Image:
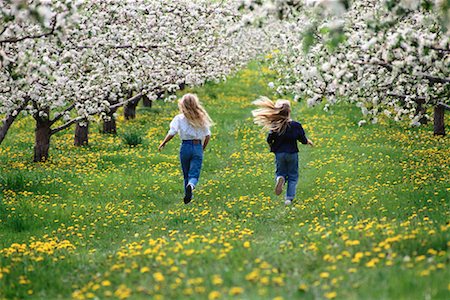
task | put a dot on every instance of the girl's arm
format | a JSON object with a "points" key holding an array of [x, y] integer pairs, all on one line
{"points": [[174, 127], [166, 139], [302, 137], [205, 143]]}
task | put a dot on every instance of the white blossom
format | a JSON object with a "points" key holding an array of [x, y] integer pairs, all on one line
{"points": [[100, 50]]}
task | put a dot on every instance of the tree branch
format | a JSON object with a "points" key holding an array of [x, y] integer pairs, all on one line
{"points": [[79, 119], [385, 65], [434, 79], [67, 125], [440, 49], [134, 98], [60, 115], [445, 106], [35, 106], [142, 47], [390, 67], [7, 122], [27, 37], [418, 100], [3, 30], [115, 106]]}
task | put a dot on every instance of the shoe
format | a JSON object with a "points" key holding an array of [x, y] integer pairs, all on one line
{"points": [[188, 194], [287, 202], [279, 185]]}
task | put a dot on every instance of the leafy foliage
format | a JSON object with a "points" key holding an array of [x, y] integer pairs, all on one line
{"points": [[132, 138]]}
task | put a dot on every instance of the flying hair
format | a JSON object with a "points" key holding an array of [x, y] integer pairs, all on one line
{"points": [[272, 116], [194, 112]]}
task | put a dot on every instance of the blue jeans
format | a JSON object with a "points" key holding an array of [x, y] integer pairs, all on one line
{"points": [[287, 166], [191, 158]]}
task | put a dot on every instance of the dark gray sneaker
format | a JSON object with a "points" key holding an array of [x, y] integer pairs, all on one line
{"points": [[188, 194]]}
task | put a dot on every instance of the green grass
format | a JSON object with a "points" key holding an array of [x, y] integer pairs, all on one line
{"points": [[370, 221]]}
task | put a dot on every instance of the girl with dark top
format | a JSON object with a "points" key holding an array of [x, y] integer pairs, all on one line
{"points": [[283, 136]]}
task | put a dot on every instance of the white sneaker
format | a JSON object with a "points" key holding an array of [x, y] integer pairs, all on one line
{"points": [[288, 202], [279, 185]]}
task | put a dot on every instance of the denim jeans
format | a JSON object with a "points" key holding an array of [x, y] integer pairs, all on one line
{"points": [[191, 158], [287, 166]]}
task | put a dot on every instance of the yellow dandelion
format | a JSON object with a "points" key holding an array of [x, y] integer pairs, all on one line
{"points": [[217, 280], [158, 276], [236, 291], [122, 292], [106, 283], [278, 280], [264, 280], [214, 295], [252, 276]]}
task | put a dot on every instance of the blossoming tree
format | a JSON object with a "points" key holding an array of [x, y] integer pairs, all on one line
{"points": [[25, 24], [111, 53], [388, 57]]}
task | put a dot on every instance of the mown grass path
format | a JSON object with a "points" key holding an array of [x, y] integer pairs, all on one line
{"points": [[371, 220]]}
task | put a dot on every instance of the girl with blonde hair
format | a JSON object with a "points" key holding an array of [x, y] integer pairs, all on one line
{"points": [[283, 136], [192, 124]]}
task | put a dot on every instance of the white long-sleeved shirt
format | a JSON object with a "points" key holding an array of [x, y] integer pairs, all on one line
{"points": [[186, 131]]}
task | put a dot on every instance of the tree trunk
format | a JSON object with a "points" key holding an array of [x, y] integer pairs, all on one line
{"points": [[182, 86], [81, 135], [43, 133], [420, 109], [109, 126], [7, 122], [439, 128], [146, 101], [129, 111], [160, 95], [9, 119]]}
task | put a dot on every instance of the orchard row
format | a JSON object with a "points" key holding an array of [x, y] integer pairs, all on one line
{"points": [[72, 62], [69, 62]]}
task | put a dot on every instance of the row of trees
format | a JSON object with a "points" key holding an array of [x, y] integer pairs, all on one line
{"points": [[387, 57], [69, 62]]}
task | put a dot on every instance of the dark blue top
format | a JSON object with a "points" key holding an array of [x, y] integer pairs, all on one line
{"points": [[287, 142]]}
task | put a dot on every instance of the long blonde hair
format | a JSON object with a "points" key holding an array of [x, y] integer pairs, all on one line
{"points": [[272, 116], [194, 112]]}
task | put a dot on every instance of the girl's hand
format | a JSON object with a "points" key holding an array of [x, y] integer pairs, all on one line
{"points": [[164, 142], [310, 143]]}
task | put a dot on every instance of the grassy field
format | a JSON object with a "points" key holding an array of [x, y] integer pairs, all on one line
{"points": [[370, 221]]}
